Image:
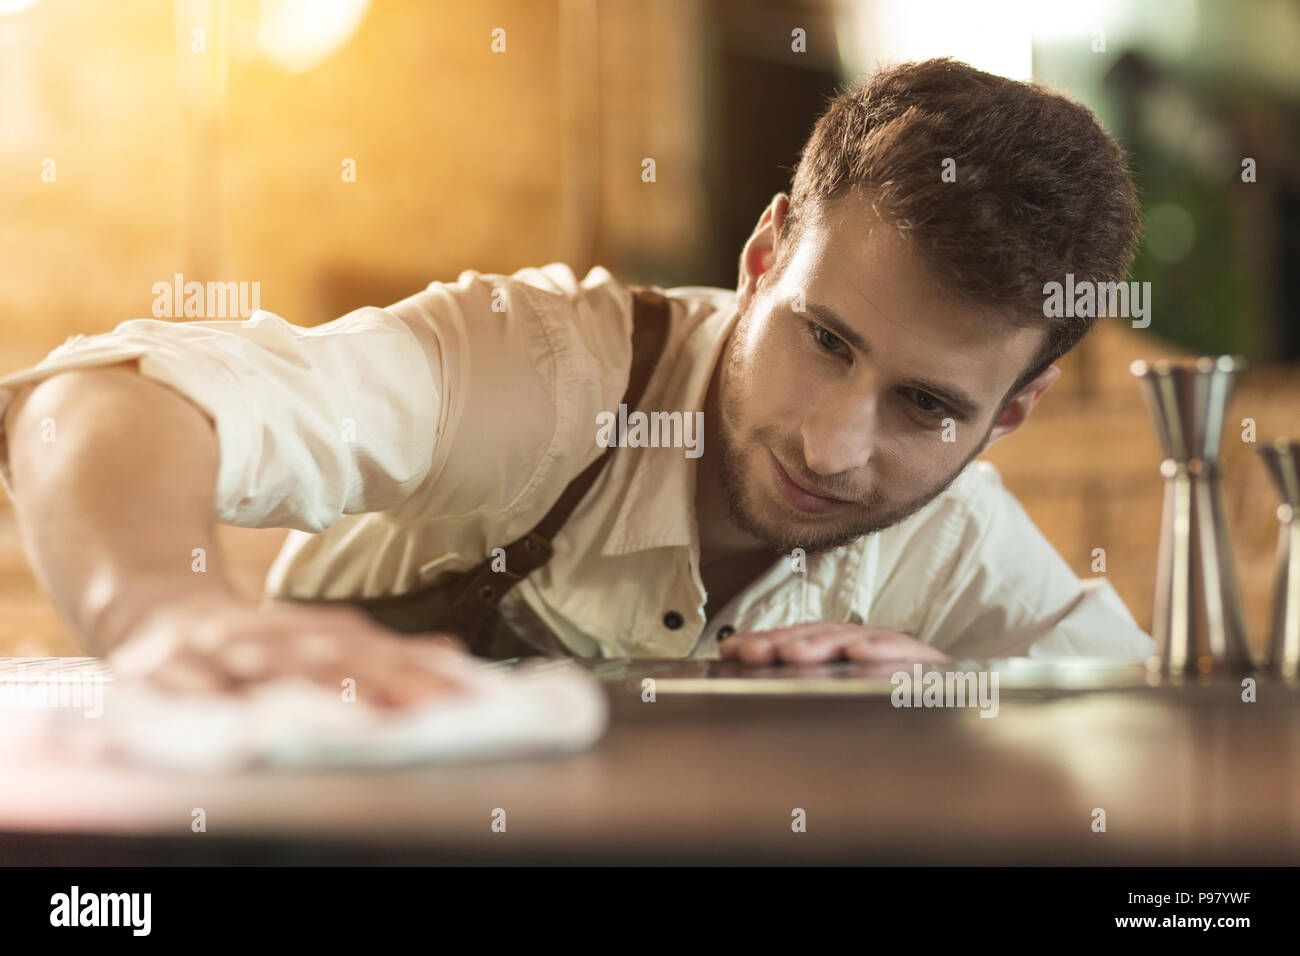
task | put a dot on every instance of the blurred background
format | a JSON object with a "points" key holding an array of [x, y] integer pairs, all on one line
{"points": [[342, 153]]}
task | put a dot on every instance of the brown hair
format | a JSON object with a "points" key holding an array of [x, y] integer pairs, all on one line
{"points": [[1040, 189]]}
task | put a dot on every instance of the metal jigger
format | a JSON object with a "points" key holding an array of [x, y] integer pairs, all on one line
{"points": [[1196, 620], [1282, 458]]}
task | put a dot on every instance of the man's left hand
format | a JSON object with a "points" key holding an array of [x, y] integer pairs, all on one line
{"points": [[819, 641]]}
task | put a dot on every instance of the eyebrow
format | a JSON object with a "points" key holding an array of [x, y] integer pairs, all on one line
{"points": [[953, 397]]}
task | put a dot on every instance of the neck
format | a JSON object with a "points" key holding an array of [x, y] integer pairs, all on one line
{"points": [[720, 538]]}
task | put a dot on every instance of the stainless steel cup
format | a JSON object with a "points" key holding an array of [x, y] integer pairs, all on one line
{"points": [[1282, 459], [1196, 618]]}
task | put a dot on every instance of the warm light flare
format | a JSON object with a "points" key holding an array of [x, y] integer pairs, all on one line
{"points": [[16, 6], [297, 35]]}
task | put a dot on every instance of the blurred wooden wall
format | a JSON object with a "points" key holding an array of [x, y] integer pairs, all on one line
{"points": [[465, 157]]}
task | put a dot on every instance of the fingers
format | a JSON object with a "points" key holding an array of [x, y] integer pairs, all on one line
{"points": [[795, 644], [163, 659], [388, 670], [818, 642], [751, 648], [188, 673], [233, 652], [887, 649]]}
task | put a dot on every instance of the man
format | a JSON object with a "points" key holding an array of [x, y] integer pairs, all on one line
{"points": [[887, 326]]}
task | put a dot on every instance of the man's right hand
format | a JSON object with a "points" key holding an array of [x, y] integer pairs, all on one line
{"points": [[226, 646]]}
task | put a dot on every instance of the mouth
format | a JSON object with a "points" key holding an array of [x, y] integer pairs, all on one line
{"points": [[799, 497]]}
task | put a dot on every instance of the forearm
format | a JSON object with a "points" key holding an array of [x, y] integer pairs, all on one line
{"points": [[113, 478]]}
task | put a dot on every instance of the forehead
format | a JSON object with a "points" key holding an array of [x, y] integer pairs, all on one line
{"points": [[849, 261]]}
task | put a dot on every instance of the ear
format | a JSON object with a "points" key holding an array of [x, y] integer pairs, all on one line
{"points": [[1018, 409], [760, 252]]}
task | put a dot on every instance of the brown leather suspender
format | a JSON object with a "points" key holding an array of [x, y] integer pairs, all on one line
{"points": [[481, 589]]}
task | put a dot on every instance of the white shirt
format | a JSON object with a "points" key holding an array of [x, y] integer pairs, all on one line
{"points": [[407, 442]]}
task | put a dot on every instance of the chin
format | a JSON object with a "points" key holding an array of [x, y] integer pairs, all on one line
{"points": [[781, 530]]}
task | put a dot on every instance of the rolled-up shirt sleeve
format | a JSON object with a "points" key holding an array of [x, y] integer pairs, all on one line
{"points": [[312, 423]]}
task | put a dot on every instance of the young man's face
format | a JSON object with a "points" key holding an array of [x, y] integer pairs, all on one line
{"points": [[873, 398]]}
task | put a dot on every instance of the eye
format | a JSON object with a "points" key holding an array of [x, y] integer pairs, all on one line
{"points": [[928, 405], [827, 341]]}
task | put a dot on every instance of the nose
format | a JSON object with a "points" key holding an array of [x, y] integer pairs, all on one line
{"points": [[839, 437]]}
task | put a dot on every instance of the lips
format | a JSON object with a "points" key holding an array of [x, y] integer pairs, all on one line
{"points": [[799, 497]]}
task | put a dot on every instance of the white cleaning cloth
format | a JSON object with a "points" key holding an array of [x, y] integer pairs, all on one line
{"points": [[535, 707]]}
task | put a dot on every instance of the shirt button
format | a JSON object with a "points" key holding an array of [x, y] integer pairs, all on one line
{"points": [[725, 632], [673, 620]]}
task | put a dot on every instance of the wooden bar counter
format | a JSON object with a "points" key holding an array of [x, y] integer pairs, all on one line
{"points": [[717, 767]]}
